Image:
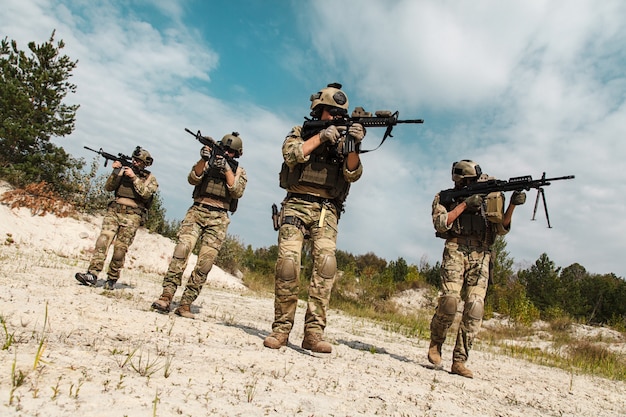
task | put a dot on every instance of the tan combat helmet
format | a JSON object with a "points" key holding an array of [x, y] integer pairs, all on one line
{"points": [[330, 96], [143, 155], [465, 168], [234, 142]]}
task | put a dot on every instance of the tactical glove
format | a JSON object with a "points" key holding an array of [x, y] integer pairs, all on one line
{"points": [[474, 202], [518, 198], [221, 164], [205, 153], [330, 134], [357, 132]]}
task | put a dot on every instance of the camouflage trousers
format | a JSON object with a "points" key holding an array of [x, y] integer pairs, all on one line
{"points": [[464, 276], [118, 227], [210, 228], [321, 225]]}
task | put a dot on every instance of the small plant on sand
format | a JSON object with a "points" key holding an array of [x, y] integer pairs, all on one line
{"points": [[56, 389], [146, 366], [42, 341], [155, 401], [8, 337], [17, 380], [251, 389]]}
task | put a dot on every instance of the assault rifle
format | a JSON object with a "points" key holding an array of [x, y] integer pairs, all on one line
{"points": [[216, 150], [525, 182], [382, 118], [125, 160]]}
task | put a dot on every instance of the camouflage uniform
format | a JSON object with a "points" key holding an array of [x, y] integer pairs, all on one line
{"points": [[312, 212], [464, 275], [209, 223], [122, 220]]}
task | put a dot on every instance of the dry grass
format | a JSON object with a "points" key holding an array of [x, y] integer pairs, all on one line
{"points": [[39, 199]]}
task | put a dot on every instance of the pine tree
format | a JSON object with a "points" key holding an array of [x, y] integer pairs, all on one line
{"points": [[32, 111]]}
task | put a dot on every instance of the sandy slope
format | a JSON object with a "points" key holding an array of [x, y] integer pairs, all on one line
{"points": [[106, 353]]}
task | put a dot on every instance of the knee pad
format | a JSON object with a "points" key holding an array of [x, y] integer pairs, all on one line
{"points": [[205, 261], [119, 252], [103, 241], [327, 266], [286, 269], [204, 268], [448, 305], [181, 251], [475, 309]]}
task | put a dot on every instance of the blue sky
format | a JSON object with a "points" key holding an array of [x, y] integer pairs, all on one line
{"points": [[522, 87]]}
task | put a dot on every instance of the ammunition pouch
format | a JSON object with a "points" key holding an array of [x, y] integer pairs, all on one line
{"points": [[494, 203]]}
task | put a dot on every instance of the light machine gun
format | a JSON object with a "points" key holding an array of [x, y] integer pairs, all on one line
{"points": [[382, 118], [216, 149], [513, 184]]}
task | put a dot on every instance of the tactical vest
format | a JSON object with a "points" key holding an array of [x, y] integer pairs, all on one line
{"points": [[323, 170], [125, 189], [470, 226], [213, 185]]}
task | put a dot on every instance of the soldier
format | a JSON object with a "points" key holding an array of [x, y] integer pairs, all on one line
{"points": [[217, 190], [469, 228], [134, 189], [317, 179]]}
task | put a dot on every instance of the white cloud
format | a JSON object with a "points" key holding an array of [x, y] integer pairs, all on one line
{"points": [[521, 87]]}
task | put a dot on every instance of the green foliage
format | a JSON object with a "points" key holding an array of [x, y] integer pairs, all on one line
{"points": [[542, 283], [231, 255], [155, 217], [90, 196], [595, 299], [170, 228], [261, 261], [32, 90], [399, 270], [505, 294], [431, 274]]}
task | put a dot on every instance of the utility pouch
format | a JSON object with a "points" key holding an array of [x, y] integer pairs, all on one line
{"points": [[494, 210], [232, 207]]}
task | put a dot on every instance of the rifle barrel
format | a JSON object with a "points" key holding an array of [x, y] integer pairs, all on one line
{"points": [[565, 177]]}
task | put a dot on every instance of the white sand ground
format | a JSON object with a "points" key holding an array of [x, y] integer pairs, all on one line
{"points": [[80, 351]]}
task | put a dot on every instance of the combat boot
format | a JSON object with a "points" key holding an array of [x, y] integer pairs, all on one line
{"points": [[276, 340], [87, 278], [459, 368], [184, 310], [110, 284], [162, 305], [434, 354], [316, 343]]}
